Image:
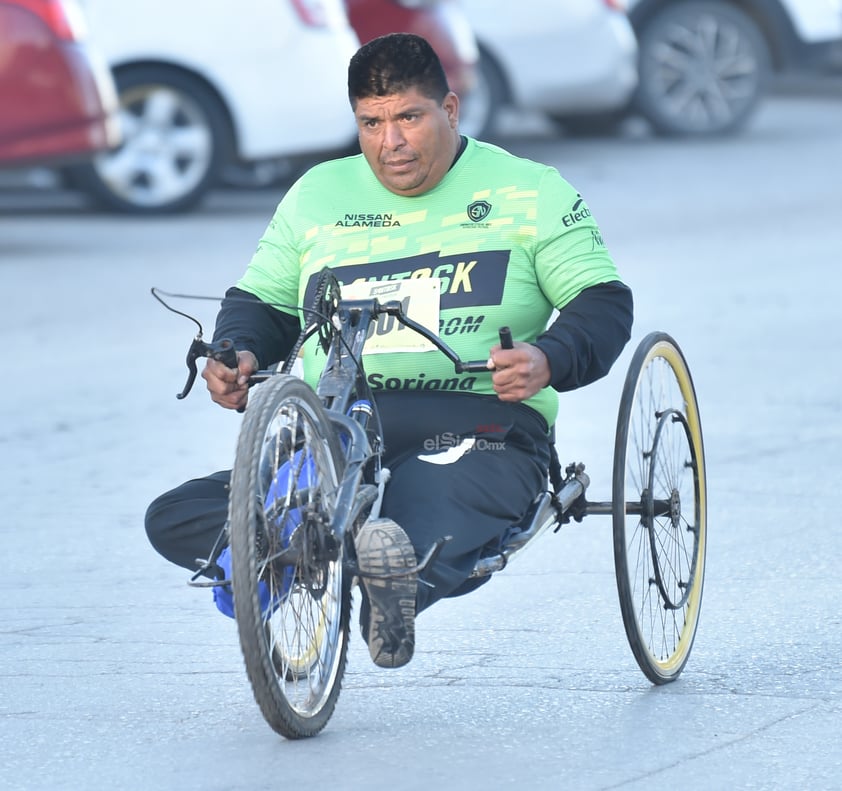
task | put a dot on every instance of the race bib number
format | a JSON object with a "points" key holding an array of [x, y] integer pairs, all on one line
{"points": [[420, 300]]}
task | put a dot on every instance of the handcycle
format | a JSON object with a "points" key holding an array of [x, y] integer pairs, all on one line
{"points": [[307, 473]]}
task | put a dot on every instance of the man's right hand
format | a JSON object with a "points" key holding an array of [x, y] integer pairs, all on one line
{"points": [[229, 387]]}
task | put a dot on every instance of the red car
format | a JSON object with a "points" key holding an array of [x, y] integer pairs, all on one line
{"points": [[57, 98], [442, 22]]}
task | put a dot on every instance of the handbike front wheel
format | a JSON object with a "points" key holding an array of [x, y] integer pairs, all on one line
{"points": [[291, 598], [659, 508]]}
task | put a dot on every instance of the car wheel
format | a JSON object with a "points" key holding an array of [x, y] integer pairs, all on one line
{"points": [[703, 66], [176, 140], [478, 111]]}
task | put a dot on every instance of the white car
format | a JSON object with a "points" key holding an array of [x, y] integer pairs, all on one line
{"points": [[203, 85], [571, 60], [705, 64]]}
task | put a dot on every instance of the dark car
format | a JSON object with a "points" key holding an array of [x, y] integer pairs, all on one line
{"points": [[57, 98], [442, 22]]}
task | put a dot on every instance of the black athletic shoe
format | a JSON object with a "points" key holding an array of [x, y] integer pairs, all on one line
{"points": [[384, 548]]}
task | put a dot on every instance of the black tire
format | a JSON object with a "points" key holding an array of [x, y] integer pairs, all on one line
{"points": [[479, 111], [659, 508], [177, 137], [703, 67], [283, 495]]}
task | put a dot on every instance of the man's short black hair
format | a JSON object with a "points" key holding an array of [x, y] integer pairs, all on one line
{"points": [[393, 64]]}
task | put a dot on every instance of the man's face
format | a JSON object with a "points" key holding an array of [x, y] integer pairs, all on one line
{"points": [[409, 141]]}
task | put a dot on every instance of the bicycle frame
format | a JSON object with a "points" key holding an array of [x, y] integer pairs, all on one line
{"points": [[343, 375]]}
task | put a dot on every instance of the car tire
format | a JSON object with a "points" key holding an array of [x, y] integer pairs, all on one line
{"points": [[703, 67], [177, 137], [479, 110]]}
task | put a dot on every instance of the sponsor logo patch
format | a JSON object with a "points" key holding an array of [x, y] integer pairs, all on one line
{"points": [[467, 280], [478, 210], [368, 221]]}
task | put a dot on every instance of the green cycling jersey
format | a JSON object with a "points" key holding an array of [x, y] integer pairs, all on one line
{"points": [[501, 239]]}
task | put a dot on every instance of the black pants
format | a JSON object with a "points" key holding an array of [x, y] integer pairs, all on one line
{"points": [[464, 466]]}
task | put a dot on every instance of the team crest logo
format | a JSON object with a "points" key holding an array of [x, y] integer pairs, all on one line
{"points": [[479, 210]]}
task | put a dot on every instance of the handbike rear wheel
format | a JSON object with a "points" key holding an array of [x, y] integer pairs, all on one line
{"points": [[659, 508], [291, 597]]}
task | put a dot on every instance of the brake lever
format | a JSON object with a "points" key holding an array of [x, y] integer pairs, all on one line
{"points": [[223, 351]]}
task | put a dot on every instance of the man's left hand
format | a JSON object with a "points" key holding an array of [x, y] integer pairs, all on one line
{"points": [[520, 372]]}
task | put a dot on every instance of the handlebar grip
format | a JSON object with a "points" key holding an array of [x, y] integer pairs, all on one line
{"points": [[506, 338], [481, 366], [224, 352]]}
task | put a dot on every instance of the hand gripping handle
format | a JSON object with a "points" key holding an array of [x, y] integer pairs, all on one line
{"points": [[481, 366]]}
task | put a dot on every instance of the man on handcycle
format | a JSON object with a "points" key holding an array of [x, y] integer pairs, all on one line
{"points": [[479, 238]]}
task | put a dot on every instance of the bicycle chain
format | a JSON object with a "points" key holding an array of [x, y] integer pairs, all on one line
{"points": [[324, 306]]}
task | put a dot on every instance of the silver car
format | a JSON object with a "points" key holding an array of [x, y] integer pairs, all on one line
{"points": [[574, 61]]}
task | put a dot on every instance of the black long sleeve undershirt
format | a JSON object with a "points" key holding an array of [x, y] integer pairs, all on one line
{"points": [[588, 335], [268, 333], [581, 345]]}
